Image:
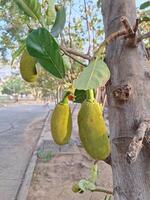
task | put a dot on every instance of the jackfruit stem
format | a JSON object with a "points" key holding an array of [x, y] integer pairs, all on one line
{"points": [[65, 98], [90, 95]]}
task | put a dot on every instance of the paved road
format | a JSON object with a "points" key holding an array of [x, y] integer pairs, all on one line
{"points": [[20, 127]]}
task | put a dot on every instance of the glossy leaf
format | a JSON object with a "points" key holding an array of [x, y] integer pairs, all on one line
{"points": [[42, 45], [31, 8], [59, 22], [50, 12], [145, 5], [94, 76], [80, 96]]}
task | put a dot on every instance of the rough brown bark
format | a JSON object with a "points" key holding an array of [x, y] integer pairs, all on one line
{"points": [[129, 68]]}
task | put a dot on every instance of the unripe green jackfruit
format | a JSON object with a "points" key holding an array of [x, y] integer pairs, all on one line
{"points": [[27, 67], [61, 123], [92, 130]]}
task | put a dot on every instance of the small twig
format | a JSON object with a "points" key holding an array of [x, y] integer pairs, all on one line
{"points": [[110, 38], [114, 36], [69, 24], [72, 57], [102, 190], [76, 53], [145, 36], [88, 26], [127, 25], [105, 100], [136, 143], [136, 26]]}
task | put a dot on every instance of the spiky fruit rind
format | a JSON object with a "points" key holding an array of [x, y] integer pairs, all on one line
{"points": [[61, 124], [28, 68], [92, 130]]}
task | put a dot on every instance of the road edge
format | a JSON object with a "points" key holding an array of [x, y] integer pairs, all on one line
{"points": [[23, 190]]}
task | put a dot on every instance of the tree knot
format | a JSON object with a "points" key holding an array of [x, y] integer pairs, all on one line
{"points": [[122, 93]]}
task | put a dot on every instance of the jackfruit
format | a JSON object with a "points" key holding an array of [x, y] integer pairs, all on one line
{"points": [[92, 130], [61, 123], [27, 67]]}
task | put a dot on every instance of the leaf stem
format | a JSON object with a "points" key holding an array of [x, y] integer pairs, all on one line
{"points": [[72, 57], [102, 190], [76, 53], [90, 95], [65, 98]]}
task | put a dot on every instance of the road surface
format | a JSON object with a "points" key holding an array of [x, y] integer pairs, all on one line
{"points": [[20, 128]]}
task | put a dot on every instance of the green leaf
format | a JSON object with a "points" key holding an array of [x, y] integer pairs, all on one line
{"points": [[50, 12], [80, 96], [93, 76], [59, 22], [18, 52], [86, 185], [31, 8], [145, 5], [42, 45]]}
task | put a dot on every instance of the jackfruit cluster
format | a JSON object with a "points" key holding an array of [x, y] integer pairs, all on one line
{"points": [[92, 128]]}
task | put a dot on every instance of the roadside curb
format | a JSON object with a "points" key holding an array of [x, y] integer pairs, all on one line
{"points": [[24, 188]]}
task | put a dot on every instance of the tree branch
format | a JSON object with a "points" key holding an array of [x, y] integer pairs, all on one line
{"points": [[127, 25], [69, 24], [109, 39], [136, 143], [135, 29], [88, 26], [142, 37], [76, 53], [65, 52]]}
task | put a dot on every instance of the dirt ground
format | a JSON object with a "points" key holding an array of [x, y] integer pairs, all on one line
{"points": [[54, 176]]}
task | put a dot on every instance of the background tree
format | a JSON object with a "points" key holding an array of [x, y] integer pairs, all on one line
{"points": [[14, 85]]}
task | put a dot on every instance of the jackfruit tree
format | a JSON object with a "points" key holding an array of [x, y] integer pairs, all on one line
{"points": [[121, 64]]}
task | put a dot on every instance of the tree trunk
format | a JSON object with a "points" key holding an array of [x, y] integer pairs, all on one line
{"points": [[130, 70]]}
